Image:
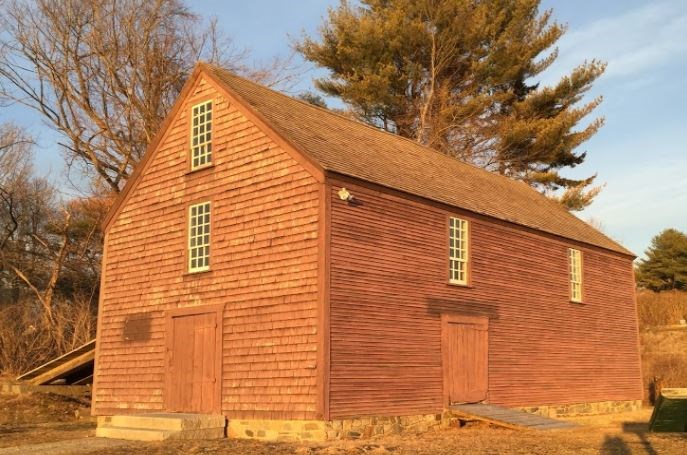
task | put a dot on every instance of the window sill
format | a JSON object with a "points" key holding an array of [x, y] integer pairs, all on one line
{"points": [[460, 285], [197, 273], [200, 168], [577, 302]]}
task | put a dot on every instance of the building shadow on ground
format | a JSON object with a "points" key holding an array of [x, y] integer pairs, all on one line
{"points": [[616, 444]]}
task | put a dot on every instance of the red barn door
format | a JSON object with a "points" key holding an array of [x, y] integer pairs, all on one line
{"points": [[465, 352], [193, 362]]}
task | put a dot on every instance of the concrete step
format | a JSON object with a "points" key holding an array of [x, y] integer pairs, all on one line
{"points": [[131, 434], [165, 421], [141, 434], [161, 426]]}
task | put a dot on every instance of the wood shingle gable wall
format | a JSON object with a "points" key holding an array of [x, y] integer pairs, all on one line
{"points": [[263, 267]]}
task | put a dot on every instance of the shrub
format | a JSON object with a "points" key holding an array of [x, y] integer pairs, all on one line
{"points": [[27, 340], [661, 308], [663, 357]]}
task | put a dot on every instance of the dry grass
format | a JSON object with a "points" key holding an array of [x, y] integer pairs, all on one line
{"points": [[661, 308], [40, 408], [664, 356], [663, 351], [42, 417]]}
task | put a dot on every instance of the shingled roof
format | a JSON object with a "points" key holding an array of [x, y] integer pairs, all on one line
{"points": [[345, 146]]}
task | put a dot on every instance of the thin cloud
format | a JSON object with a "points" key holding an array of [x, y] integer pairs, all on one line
{"points": [[633, 43], [642, 200]]}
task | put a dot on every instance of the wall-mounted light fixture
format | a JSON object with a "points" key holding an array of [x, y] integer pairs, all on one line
{"points": [[345, 195]]}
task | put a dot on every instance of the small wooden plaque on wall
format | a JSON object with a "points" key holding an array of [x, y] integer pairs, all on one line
{"points": [[137, 327]]}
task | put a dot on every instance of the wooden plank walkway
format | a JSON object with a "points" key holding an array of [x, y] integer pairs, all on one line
{"points": [[670, 412], [509, 418], [78, 362]]}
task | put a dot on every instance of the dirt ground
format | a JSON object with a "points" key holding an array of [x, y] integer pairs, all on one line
{"points": [[43, 417], [39, 418]]}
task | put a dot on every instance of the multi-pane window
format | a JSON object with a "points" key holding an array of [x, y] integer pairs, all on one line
{"points": [[201, 135], [458, 250], [575, 266], [199, 237]]}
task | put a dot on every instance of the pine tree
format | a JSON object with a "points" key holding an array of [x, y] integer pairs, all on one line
{"points": [[665, 266], [457, 75]]}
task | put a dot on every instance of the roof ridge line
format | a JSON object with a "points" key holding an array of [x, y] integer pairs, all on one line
{"points": [[497, 178], [358, 122]]}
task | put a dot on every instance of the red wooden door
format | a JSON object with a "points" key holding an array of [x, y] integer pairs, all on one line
{"points": [[193, 371], [466, 358]]}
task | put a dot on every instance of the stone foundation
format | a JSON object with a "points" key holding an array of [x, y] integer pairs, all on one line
{"points": [[318, 430], [272, 430], [583, 409], [365, 427]]}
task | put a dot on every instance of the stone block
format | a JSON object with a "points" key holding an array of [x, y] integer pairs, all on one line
{"points": [[591, 408]]}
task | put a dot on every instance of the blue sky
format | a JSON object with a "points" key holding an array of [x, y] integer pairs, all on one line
{"points": [[640, 154]]}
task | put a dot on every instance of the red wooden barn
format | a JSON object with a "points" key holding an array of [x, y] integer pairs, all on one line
{"points": [[278, 263]]}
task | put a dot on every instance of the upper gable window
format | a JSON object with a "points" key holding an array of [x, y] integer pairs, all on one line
{"points": [[575, 270], [201, 135], [199, 237], [458, 250]]}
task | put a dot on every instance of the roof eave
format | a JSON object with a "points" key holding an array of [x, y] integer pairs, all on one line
{"points": [[619, 250]]}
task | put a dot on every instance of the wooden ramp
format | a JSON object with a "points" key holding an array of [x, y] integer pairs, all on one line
{"points": [[509, 418], [670, 412], [74, 367]]}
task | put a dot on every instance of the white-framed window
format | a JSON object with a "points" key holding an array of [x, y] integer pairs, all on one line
{"points": [[458, 250], [575, 270], [201, 135], [199, 237]]}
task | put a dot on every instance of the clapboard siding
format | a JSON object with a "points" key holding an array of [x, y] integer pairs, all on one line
{"points": [[389, 287], [264, 263]]}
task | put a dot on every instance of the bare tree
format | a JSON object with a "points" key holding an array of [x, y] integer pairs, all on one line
{"points": [[46, 244], [104, 73], [16, 168]]}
